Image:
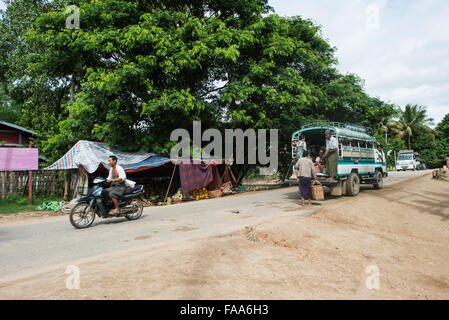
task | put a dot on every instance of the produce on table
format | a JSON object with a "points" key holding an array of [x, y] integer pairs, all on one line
{"points": [[200, 193]]}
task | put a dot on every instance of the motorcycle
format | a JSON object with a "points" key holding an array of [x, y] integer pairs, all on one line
{"points": [[83, 213]]}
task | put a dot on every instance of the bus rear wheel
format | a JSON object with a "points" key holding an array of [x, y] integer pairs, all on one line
{"points": [[379, 180], [353, 185]]}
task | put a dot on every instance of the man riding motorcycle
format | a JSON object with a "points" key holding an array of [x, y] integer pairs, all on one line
{"points": [[116, 177]]}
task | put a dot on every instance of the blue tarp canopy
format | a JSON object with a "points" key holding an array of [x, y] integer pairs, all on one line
{"points": [[90, 155], [152, 162]]}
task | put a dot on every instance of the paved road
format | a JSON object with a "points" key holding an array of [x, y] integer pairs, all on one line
{"points": [[30, 247]]}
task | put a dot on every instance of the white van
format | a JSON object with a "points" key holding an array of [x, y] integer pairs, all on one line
{"points": [[408, 160]]}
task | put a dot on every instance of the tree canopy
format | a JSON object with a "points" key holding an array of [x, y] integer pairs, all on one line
{"points": [[136, 70]]}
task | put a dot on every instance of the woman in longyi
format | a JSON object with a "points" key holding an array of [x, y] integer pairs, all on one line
{"points": [[306, 171]]}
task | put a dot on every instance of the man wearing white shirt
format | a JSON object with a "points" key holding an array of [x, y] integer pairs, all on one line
{"points": [[116, 177], [331, 154], [379, 154]]}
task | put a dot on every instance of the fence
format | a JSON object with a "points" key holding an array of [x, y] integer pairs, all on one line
{"points": [[43, 183]]}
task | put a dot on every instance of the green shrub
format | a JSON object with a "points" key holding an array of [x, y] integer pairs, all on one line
{"points": [[22, 201]]}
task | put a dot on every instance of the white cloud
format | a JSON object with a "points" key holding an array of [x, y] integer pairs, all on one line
{"points": [[402, 53]]}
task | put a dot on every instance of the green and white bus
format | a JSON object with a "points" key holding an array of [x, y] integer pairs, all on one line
{"points": [[357, 161]]}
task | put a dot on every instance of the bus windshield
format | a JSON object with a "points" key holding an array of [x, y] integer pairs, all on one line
{"points": [[405, 157]]}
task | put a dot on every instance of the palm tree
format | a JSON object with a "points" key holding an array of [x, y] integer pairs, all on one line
{"points": [[411, 121], [385, 123]]}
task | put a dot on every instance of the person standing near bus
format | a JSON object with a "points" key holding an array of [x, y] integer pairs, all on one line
{"points": [[301, 147], [319, 162], [306, 172], [331, 155]]}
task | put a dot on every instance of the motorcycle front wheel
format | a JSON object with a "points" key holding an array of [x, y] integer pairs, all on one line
{"points": [[82, 215], [137, 209]]}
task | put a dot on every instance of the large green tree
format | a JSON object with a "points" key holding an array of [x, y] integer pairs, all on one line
{"points": [[443, 129], [136, 70], [29, 99]]}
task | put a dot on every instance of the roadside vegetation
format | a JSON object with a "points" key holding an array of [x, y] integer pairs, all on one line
{"points": [[19, 203]]}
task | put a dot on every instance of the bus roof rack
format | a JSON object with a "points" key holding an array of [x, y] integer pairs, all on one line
{"points": [[344, 125]]}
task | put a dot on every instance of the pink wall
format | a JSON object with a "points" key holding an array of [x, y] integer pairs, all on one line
{"points": [[16, 159]]}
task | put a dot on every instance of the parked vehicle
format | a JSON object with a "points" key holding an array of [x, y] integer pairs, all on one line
{"points": [[408, 160], [357, 163], [83, 213]]}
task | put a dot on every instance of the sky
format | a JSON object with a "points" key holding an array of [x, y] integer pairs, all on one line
{"points": [[399, 47]]}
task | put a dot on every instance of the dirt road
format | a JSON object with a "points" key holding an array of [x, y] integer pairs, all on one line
{"points": [[395, 239]]}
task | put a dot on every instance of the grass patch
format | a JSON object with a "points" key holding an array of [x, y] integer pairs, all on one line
{"points": [[18, 203], [255, 177]]}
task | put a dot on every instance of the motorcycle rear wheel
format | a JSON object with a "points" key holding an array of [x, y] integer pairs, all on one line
{"points": [[82, 215], [138, 210]]}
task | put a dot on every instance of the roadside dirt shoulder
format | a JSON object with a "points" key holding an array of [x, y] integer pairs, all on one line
{"points": [[399, 234]]}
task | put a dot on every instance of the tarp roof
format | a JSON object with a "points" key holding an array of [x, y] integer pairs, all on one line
{"points": [[91, 154]]}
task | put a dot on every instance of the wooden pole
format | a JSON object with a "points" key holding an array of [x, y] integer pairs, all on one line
{"points": [[66, 185], [3, 184], [30, 185], [77, 183], [54, 178], [169, 185], [11, 183]]}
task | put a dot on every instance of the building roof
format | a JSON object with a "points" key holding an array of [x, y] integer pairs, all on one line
{"points": [[16, 127]]}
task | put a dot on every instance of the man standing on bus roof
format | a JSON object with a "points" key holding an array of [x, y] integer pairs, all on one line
{"points": [[331, 154]]}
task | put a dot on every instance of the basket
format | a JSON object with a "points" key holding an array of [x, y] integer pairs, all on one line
{"points": [[317, 192], [215, 193]]}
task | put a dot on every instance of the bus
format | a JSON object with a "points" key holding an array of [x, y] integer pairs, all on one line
{"points": [[357, 163]]}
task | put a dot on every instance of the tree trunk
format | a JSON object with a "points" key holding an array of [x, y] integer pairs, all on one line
{"points": [[66, 186], [3, 184]]}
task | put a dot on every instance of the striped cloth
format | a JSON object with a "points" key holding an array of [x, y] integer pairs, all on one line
{"points": [[91, 154], [194, 176]]}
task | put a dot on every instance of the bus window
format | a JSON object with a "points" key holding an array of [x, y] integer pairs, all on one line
{"points": [[370, 147], [345, 145], [362, 147], [355, 149]]}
